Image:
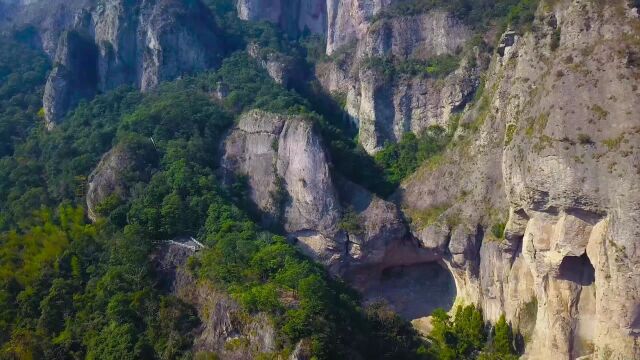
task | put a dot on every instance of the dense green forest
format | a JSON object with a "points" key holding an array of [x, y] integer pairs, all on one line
{"points": [[70, 289]]}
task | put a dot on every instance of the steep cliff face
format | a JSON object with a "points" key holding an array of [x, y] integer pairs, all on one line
{"points": [[73, 77], [552, 150], [386, 106], [293, 16], [533, 209], [283, 69], [289, 179], [98, 46]]}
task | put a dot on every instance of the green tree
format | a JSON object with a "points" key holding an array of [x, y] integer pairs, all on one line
{"points": [[503, 337], [501, 346], [115, 342]]}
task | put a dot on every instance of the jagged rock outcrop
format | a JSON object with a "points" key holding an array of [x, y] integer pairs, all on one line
{"points": [[118, 170], [288, 173], [552, 150], [99, 45], [73, 78]]}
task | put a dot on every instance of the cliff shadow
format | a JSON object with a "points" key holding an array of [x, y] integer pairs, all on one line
{"points": [[413, 291]]}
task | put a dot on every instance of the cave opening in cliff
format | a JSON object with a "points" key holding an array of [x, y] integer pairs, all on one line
{"points": [[577, 269], [413, 291]]}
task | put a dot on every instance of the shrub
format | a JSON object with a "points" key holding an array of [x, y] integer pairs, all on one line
{"points": [[584, 139], [402, 159], [497, 230]]}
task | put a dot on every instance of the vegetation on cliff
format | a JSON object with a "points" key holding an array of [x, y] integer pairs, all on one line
{"points": [[477, 13]]}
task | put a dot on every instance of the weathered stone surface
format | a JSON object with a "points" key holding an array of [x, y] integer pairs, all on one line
{"points": [[222, 319], [281, 68], [99, 45], [73, 77], [288, 173], [384, 108], [294, 17], [380, 225], [553, 152]]}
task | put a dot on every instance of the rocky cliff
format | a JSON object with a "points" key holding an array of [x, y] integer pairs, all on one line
{"points": [[99, 45], [533, 208], [358, 36], [116, 173], [552, 150], [369, 58], [289, 178], [225, 329]]}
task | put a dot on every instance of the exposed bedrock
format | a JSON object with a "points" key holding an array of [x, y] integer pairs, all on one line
{"points": [[294, 16], [116, 173], [552, 150], [385, 108], [288, 173], [222, 318], [99, 45]]}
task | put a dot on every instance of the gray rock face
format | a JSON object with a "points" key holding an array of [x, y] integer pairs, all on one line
{"points": [[380, 225], [109, 43], [73, 77], [281, 68], [289, 179], [384, 108], [551, 150], [294, 16]]}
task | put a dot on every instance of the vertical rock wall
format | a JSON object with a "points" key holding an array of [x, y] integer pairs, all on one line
{"points": [[552, 149], [99, 45]]}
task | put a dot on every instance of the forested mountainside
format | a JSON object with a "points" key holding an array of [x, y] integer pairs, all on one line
{"points": [[319, 179]]}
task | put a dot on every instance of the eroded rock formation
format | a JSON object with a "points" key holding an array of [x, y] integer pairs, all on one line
{"points": [[385, 107], [288, 173], [99, 45], [223, 321], [555, 156], [293, 16], [533, 208]]}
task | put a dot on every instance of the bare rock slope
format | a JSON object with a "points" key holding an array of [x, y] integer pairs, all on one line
{"points": [[552, 150], [289, 178]]}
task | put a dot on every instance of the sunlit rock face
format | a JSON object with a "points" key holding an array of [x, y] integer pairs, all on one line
{"points": [[289, 176], [532, 211], [99, 45], [385, 108], [553, 153]]}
